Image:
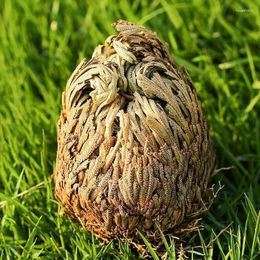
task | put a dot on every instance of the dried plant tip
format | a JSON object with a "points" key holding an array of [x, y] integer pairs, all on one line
{"points": [[133, 146]]}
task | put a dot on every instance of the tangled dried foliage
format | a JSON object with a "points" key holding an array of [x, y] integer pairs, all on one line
{"points": [[133, 146]]}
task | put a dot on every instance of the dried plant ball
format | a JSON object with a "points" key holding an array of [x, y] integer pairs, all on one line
{"points": [[134, 151]]}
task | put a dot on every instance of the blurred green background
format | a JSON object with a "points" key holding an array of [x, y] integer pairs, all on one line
{"points": [[41, 42]]}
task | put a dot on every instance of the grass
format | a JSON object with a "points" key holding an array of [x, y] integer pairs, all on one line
{"points": [[41, 42]]}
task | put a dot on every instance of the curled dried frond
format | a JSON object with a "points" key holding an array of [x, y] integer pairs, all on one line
{"points": [[133, 146]]}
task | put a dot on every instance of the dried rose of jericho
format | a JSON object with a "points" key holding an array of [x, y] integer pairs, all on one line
{"points": [[134, 151]]}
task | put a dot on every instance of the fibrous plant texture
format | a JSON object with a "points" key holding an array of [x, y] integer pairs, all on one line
{"points": [[134, 152]]}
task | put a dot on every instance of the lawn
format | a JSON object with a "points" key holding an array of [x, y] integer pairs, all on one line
{"points": [[41, 42]]}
